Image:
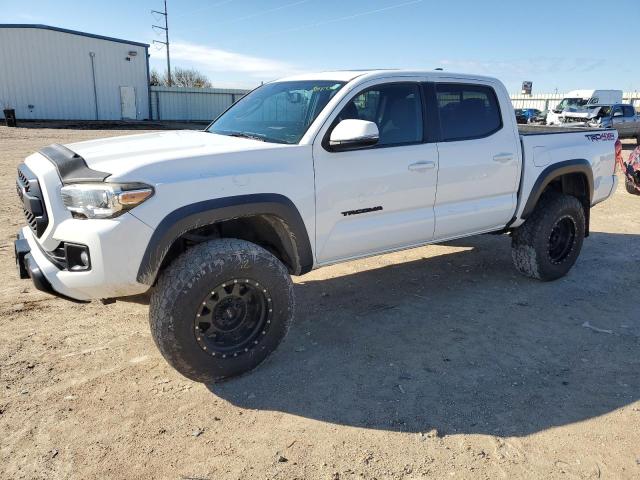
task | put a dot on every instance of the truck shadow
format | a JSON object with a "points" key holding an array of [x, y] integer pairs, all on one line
{"points": [[460, 343]]}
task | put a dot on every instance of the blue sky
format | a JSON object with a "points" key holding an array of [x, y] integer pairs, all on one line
{"points": [[563, 44]]}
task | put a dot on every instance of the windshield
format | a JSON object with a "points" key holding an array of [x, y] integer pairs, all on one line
{"points": [[571, 102], [279, 112], [600, 110]]}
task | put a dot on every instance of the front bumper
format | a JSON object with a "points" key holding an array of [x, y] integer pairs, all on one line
{"points": [[115, 247], [45, 253], [29, 268]]}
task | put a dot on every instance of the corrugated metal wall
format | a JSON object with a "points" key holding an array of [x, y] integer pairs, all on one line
{"points": [[47, 74], [179, 103], [544, 101]]}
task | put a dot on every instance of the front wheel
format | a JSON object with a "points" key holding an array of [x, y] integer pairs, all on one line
{"points": [[220, 309], [548, 243]]}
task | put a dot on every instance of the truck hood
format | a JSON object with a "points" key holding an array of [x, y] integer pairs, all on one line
{"points": [[118, 155], [586, 114]]}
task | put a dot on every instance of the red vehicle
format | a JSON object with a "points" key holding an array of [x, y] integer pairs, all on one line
{"points": [[631, 170]]}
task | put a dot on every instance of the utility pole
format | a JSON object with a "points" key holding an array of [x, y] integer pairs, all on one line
{"points": [[166, 37]]}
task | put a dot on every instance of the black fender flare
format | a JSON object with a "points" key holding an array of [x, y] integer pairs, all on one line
{"points": [[551, 173], [208, 212]]}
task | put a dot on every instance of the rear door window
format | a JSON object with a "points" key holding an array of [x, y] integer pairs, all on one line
{"points": [[628, 110], [467, 111]]}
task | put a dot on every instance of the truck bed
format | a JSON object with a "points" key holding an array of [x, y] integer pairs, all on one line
{"points": [[549, 129], [545, 146]]}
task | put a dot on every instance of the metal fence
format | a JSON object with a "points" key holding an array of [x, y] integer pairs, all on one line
{"points": [[203, 104], [180, 103], [544, 101]]}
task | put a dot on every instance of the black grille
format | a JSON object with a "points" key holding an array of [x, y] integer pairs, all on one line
{"points": [[32, 203]]}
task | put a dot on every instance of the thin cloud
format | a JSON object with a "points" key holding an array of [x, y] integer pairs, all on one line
{"points": [[208, 7], [524, 66], [265, 12], [346, 17], [215, 60], [251, 16], [543, 71]]}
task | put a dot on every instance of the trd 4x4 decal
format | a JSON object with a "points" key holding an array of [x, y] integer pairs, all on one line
{"points": [[597, 137]]}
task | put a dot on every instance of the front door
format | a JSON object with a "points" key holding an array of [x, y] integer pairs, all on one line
{"points": [[128, 103], [377, 198]]}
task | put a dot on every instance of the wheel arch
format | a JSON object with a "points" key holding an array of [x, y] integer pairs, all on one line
{"points": [[268, 214], [573, 177]]}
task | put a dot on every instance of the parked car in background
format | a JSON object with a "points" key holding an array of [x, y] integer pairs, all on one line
{"points": [[526, 115], [578, 99], [622, 117], [540, 118]]}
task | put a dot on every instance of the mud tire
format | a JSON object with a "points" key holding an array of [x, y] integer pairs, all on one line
{"points": [[179, 294], [531, 243]]}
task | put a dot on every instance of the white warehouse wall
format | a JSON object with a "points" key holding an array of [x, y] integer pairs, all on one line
{"points": [[46, 73]]}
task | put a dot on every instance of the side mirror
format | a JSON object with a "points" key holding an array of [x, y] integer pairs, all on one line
{"points": [[350, 134], [617, 114]]}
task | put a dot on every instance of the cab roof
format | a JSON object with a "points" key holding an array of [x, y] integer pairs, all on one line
{"points": [[349, 75]]}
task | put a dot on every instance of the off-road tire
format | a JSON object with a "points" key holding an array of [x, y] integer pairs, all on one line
{"points": [[178, 297], [531, 242], [630, 187]]}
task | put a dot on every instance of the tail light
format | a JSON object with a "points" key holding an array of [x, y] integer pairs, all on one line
{"points": [[619, 159]]}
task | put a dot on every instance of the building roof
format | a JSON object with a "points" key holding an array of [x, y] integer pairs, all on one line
{"points": [[72, 32]]}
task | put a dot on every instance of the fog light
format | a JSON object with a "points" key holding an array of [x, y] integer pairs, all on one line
{"points": [[77, 256]]}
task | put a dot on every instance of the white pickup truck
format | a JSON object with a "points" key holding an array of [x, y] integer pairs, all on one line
{"points": [[301, 173]]}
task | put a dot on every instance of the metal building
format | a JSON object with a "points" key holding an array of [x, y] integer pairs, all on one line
{"points": [[57, 74]]}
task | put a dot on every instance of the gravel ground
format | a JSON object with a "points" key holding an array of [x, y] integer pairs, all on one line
{"points": [[436, 362]]}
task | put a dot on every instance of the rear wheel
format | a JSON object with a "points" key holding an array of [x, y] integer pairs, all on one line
{"points": [[547, 245], [220, 309]]}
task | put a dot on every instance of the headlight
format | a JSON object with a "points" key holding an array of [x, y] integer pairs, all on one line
{"points": [[103, 200]]}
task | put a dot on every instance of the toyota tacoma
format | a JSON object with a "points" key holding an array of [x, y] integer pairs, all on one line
{"points": [[301, 173]]}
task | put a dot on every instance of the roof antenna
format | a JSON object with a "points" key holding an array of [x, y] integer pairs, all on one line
{"points": [[439, 69]]}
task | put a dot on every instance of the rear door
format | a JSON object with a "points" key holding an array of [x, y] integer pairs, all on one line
{"points": [[630, 121], [378, 198], [479, 160]]}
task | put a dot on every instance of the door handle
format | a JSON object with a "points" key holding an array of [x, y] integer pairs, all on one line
{"points": [[421, 166], [503, 157]]}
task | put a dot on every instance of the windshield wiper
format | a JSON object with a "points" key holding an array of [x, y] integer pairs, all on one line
{"points": [[251, 136]]}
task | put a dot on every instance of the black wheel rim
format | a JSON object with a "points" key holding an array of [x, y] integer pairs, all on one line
{"points": [[562, 239], [233, 318]]}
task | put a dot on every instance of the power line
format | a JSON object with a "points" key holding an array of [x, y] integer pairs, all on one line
{"points": [[166, 37]]}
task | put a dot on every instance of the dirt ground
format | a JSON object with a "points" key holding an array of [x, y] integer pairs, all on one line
{"points": [[437, 362]]}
